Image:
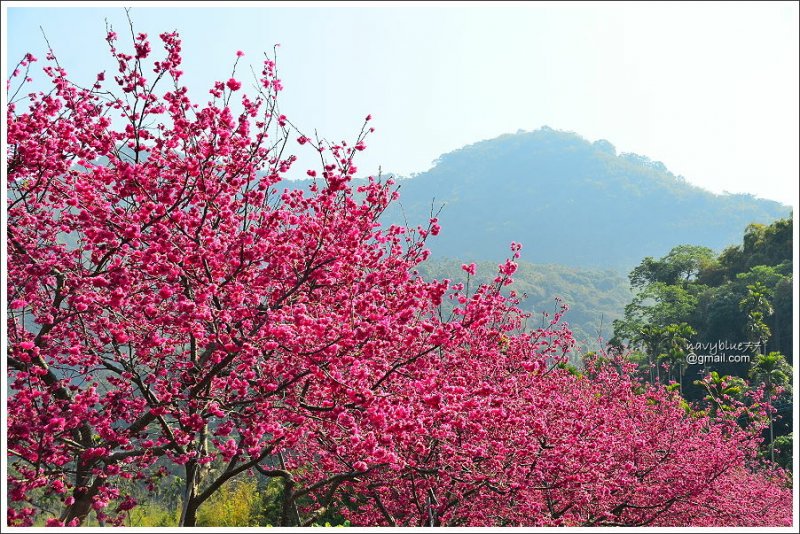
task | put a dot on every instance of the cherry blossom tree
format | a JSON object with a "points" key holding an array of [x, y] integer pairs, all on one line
{"points": [[526, 441], [168, 302], [176, 303]]}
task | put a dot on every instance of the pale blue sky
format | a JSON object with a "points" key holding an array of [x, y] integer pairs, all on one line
{"points": [[711, 90]]}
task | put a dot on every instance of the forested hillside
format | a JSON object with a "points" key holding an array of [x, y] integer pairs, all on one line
{"points": [[569, 201], [695, 312], [595, 297]]}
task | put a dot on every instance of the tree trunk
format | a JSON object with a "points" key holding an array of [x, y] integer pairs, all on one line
{"points": [[289, 515], [83, 503], [771, 438], [771, 432], [190, 504], [289, 512], [189, 516], [776, 338]]}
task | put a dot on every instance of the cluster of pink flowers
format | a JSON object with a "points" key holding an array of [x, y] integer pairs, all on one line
{"points": [[172, 301]]}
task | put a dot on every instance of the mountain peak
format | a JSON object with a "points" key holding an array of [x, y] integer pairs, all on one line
{"points": [[570, 201]]}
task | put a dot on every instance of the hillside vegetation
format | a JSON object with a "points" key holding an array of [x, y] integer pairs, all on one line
{"points": [[569, 201]]}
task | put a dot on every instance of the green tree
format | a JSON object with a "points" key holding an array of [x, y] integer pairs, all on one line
{"points": [[773, 371], [721, 390], [758, 307], [652, 339], [776, 287], [675, 340], [657, 304], [761, 245], [784, 444], [680, 266]]}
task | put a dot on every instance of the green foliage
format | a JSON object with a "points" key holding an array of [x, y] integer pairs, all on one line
{"points": [[784, 444], [721, 390], [663, 345], [762, 245], [680, 266], [743, 294], [676, 338], [772, 370], [571, 369], [328, 524], [757, 306], [657, 304], [244, 502], [235, 504], [732, 297], [153, 514], [270, 499], [595, 296]]}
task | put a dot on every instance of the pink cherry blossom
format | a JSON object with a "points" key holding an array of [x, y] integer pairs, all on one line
{"points": [[176, 300], [233, 84]]}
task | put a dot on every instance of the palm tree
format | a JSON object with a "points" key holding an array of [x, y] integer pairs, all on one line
{"points": [[721, 387], [652, 337], [758, 307], [675, 339], [774, 372]]}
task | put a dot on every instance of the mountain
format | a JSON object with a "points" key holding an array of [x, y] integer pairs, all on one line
{"points": [[570, 202]]}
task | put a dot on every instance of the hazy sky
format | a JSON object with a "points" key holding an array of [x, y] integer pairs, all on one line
{"points": [[711, 90]]}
